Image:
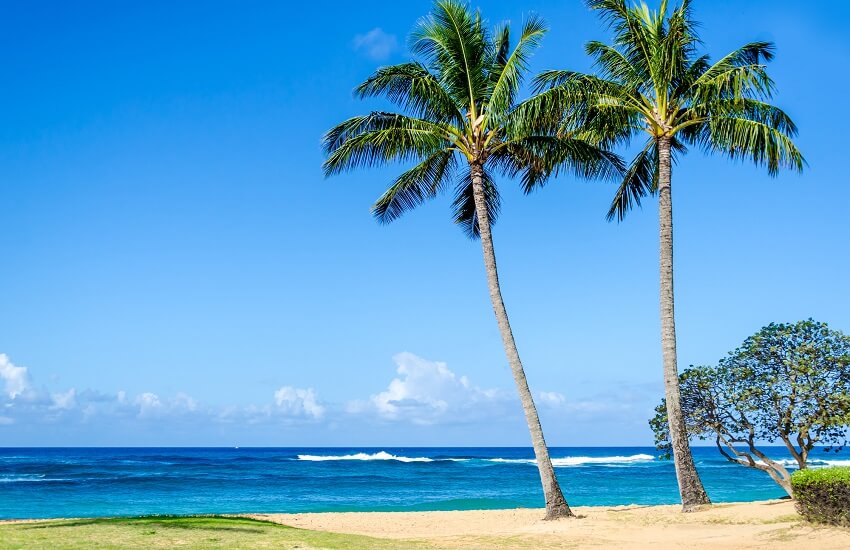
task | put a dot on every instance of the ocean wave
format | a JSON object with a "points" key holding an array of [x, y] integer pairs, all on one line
{"points": [[824, 462], [381, 455], [31, 478], [811, 463], [787, 462], [579, 460]]}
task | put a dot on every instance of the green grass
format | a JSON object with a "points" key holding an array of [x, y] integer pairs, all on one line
{"points": [[194, 532]]}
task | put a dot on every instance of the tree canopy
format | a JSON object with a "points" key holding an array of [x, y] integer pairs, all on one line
{"points": [[788, 383], [461, 97], [653, 80]]}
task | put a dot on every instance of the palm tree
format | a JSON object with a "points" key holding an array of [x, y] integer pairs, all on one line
{"points": [[653, 82], [464, 125]]}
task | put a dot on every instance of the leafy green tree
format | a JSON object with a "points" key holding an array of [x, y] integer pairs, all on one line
{"points": [[788, 383], [464, 126], [653, 82]]}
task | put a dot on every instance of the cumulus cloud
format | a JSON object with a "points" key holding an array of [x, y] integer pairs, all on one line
{"points": [[427, 392], [421, 392], [150, 405], [297, 401], [376, 44], [21, 403], [15, 379], [551, 399]]}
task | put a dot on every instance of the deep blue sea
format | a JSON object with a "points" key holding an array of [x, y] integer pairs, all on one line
{"points": [[80, 482]]}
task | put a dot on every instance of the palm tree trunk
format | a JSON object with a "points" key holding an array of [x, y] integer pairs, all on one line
{"points": [[556, 505], [690, 486]]}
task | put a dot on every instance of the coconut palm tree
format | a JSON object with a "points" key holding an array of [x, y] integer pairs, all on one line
{"points": [[462, 128], [653, 82]]}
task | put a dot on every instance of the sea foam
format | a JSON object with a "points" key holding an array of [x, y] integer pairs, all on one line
{"points": [[381, 455], [819, 462], [579, 460]]}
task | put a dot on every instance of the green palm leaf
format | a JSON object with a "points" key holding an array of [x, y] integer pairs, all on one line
{"points": [[380, 138], [423, 181], [509, 74], [463, 205], [412, 87]]}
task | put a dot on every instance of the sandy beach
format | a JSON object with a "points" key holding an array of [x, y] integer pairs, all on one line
{"points": [[768, 524]]}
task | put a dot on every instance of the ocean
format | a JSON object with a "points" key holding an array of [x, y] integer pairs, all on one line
{"points": [[86, 482]]}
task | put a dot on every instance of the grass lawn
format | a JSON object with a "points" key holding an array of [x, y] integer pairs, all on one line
{"points": [[178, 532]]}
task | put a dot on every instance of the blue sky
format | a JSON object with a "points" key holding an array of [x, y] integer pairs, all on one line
{"points": [[176, 271]]}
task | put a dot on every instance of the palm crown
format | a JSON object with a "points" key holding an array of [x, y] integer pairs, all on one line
{"points": [[461, 100], [652, 80]]}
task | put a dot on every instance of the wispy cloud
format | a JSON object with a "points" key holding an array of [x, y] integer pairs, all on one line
{"points": [[376, 44], [64, 400]]}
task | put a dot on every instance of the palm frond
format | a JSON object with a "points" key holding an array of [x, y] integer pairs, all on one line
{"points": [[751, 109], [455, 46], [640, 180], [411, 86], [615, 66], [415, 186], [463, 206], [632, 34], [535, 159], [509, 74], [380, 138], [501, 48], [740, 73], [653, 79], [739, 137]]}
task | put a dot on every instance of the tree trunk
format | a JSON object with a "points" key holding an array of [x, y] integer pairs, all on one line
{"points": [[556, 505], [690, 486]]}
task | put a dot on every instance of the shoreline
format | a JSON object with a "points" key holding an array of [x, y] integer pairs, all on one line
{"points": [[770, 524]]}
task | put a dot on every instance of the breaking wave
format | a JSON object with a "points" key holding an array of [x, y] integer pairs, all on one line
{"points": [[580, 460], [558, 462], [382, 455]]}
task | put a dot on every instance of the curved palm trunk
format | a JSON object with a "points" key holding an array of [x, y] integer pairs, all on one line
{"points": [[690, 486], [556, 505]]}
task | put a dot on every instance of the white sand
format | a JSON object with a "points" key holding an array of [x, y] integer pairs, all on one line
{"points": [[769, 524]]}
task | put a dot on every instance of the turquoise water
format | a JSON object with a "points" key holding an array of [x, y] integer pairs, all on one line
{"points": [[44, 483]]}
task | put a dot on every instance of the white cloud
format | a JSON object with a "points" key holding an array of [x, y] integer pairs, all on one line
{"points": [[22, 404], [16, 379], [64, 401], [298, 402], [185, 402], [617, 402], [420, 393], [150, 405], [376, 44], [551, 398], [427, 392]]}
